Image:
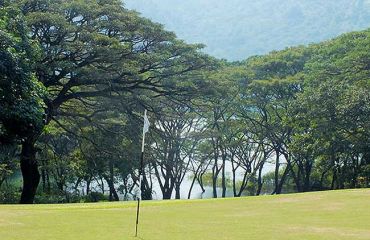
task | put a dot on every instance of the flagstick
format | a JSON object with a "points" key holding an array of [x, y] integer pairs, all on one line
{"points": [[141, 172], [137, 215], [138, 199]]}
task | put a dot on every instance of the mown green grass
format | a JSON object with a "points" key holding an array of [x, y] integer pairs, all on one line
{"points": [[320, 215]]}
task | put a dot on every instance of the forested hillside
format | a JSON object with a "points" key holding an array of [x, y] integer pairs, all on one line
{"points": [[237, 29]]}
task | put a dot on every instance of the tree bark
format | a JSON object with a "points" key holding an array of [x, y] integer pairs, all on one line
{"points": [[282, 181], [307, 179], [196, 175], [177, 191], [200, 182], [334, 179], [214, 186], [30, 172], [102, 185], [259, 181], [234, 181], [43, 176], [113, 196], [191, 186], [1, 181], [88, 181], [167, 193], [223, 178], [146, 189], [277, 166]]}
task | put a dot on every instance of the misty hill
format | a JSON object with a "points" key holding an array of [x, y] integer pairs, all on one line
{"points": [[237, 29]]}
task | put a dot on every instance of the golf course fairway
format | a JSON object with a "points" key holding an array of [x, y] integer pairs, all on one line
{"points": [[317, 215]]}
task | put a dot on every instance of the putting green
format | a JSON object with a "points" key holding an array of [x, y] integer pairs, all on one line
{"points": [[319, 215]]}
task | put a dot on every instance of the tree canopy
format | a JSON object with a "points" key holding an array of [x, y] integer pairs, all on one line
{"points": [[21, 104], [76, 76]]}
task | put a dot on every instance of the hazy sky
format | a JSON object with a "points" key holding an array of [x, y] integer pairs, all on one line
{"points": [[237, 29]]}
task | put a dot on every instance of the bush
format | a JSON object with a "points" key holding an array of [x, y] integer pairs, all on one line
{"points": [[95, 197], [57, 197], [47, 199], [364, 178], [9, 194]]}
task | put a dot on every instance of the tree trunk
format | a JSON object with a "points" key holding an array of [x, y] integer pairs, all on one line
{"points": [[102, 185], [334, 179], [307, 179], [296, 177], [30, 172], [259, 181], [282, 180], [200, 182], [196, 175], [146, 189], [223, 179], [177, 191], [354, 176], [1, 181], [234, 181], [340, 177], [167, 194], [113, 196], [60, 185], [297, 180], [214, 186], [78, 181], [167, 188], [322, 180], [191, 186], [88, 181], [43, 177], [243, 185], [277, 166]]}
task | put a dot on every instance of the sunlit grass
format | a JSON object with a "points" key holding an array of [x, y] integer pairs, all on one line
{"points": [[320, 215]]}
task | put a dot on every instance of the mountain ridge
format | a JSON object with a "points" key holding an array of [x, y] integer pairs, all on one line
{"points": [[237, 29]]}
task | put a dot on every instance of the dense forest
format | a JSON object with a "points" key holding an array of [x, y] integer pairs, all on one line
{"points": [[76, 76], [237, 29]]}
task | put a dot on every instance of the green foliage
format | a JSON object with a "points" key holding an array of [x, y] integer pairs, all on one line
{"points": [[95, 197], [312, 104], [207, 180], [93, 56], [364, 176], [305, 109], [9, 194], [332, 113], [21, 104], [8, 163]]}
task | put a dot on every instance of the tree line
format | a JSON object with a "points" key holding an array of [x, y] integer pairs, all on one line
{"points": [[76, 76]]}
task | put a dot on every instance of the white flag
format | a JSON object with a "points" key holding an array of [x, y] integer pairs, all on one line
{"points": [[145, 130], [146, 123]]}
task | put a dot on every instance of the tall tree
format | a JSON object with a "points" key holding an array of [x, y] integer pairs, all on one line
{"points": [[332, 113], [270, 86], [98, 49], [21, 107]]}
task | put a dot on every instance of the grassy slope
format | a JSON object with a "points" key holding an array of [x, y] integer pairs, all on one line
{"points": [[320, 215]]}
